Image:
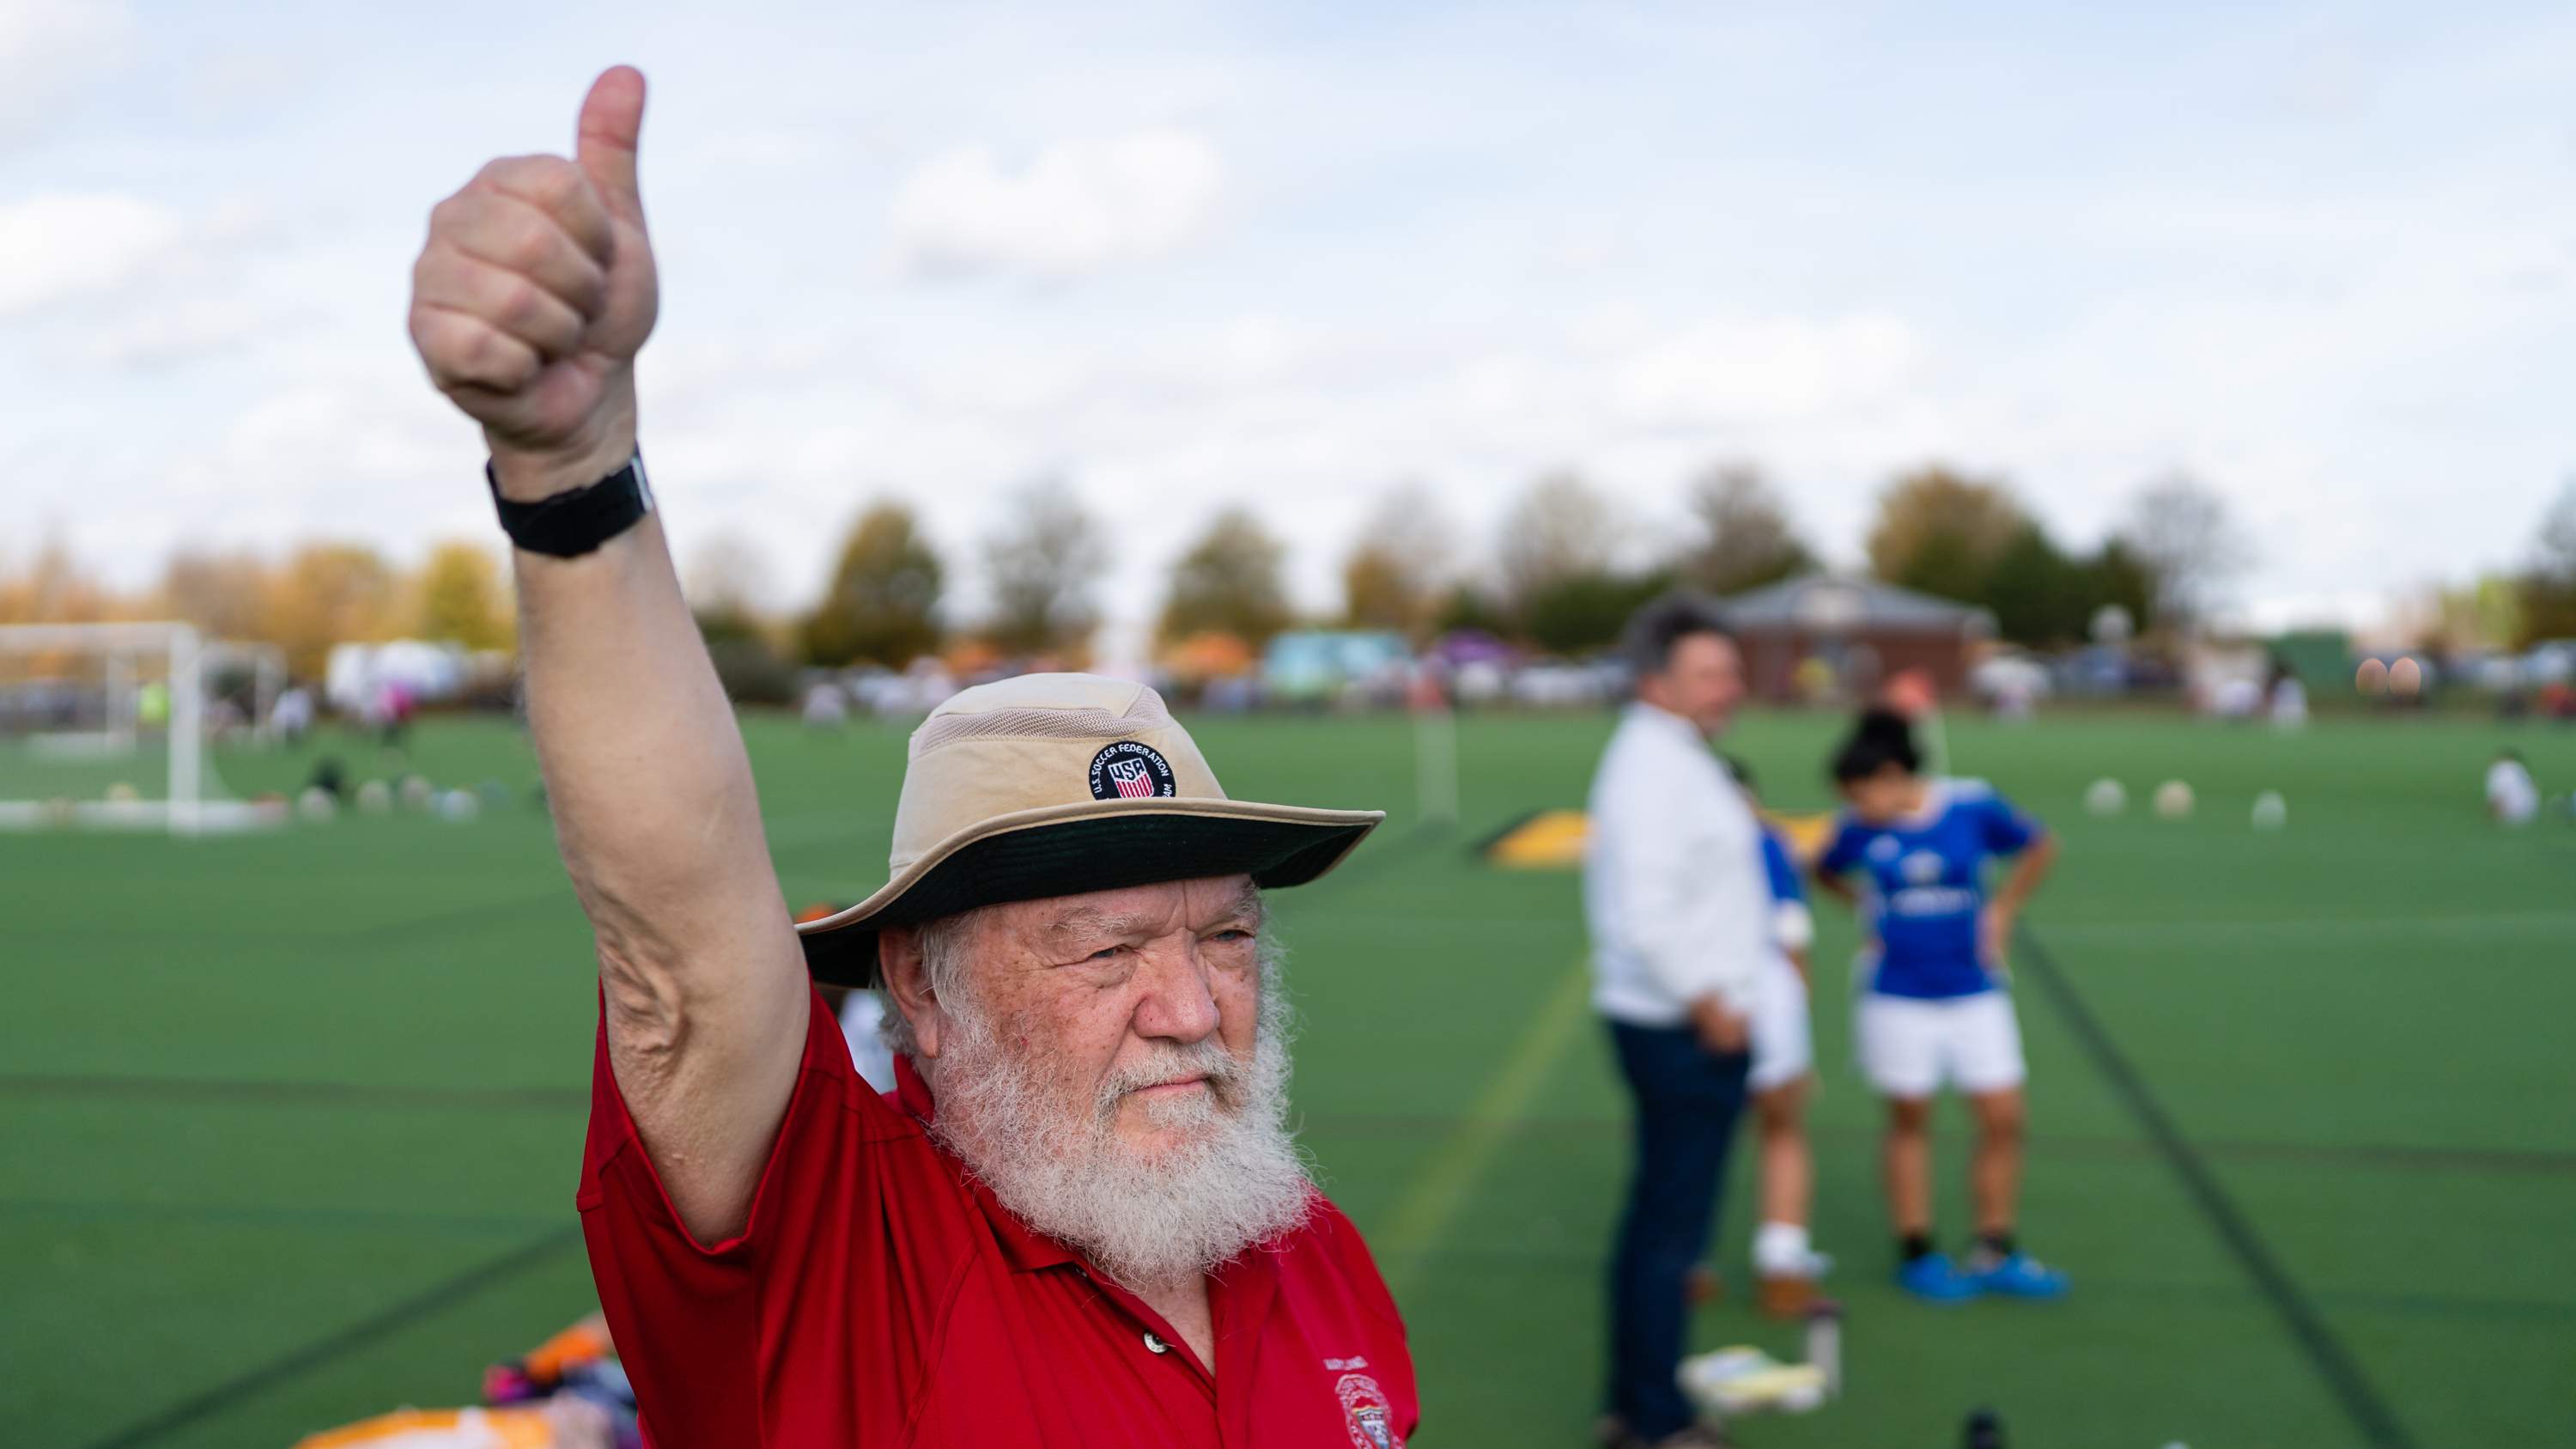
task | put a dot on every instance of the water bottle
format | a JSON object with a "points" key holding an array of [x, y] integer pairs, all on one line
{"points": [[1825, 1342]]}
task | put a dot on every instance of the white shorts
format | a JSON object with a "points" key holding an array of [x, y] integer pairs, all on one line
{"points": [[1911, 1045], [1783, 1047]]}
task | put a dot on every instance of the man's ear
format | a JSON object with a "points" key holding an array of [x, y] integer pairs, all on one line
{"points": [[907, 981]]}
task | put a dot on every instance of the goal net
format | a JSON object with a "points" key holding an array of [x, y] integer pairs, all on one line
{"points": [[104, 726]]}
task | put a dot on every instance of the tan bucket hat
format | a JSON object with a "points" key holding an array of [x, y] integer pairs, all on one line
{"points": [[1055, 785]]}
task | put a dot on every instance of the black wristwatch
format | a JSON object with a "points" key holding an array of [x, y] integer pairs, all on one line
{"points": [[570, 524]]}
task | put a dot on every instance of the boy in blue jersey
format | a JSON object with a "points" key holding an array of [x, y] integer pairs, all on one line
{"points": [[1785, 1262], [1933, 1008]]}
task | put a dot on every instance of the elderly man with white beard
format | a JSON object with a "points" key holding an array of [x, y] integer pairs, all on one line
{"points": [[1079, 1218]]}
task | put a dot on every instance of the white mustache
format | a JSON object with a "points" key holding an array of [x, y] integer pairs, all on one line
{"points": [[1205, 1058]]}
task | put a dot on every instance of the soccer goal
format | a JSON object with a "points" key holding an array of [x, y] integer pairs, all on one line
{"points": [[104, 726]]}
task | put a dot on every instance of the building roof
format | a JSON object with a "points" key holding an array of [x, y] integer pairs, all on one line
{"points": [[1822, 603]]}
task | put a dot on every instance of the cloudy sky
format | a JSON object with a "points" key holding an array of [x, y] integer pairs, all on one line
{"points": [[2321, 257]]}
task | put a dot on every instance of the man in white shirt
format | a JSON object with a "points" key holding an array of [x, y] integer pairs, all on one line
{"points": [[1680, 912]]}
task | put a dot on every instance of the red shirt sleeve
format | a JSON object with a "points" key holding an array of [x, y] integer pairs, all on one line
{"points": [[846, 1221]]}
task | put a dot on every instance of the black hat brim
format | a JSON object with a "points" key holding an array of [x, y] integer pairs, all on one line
{"points": [[1076, 857]]}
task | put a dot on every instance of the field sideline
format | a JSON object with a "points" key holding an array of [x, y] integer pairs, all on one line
{"points": [[292, 1121]]}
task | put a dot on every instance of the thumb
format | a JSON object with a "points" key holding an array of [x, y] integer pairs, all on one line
{"points": [[612, 118]]}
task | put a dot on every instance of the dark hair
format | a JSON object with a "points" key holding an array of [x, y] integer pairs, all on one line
{"points": [[1654, 630], [1881, 738]]}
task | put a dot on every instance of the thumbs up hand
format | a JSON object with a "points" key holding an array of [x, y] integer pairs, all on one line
{"points": [[533, 295]]}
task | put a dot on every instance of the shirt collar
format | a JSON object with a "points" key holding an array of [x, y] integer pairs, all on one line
{"points": [[1656, 717], [1936, 803]]}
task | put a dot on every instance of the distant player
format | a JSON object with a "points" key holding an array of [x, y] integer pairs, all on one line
{"points": [[2511, 797], [1933, 1009], [1784, 1259]]}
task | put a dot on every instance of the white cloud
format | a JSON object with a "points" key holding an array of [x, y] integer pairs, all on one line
{"points": [[115, 281], [61, 246], [239, 77], [48, 50], [1785, 370], [1077, 209]]}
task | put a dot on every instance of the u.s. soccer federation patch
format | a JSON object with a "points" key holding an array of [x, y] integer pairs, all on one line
{"points": [[1130, 771], [1370, 1417]]}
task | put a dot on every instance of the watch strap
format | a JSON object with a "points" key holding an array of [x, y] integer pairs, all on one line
{"points": [[576, 522]]}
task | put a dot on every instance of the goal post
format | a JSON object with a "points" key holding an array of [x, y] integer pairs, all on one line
{"points": [[77, 700]]}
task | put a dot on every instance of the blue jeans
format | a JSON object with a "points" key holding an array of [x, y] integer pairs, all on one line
{"points": [[1687, 1101]]}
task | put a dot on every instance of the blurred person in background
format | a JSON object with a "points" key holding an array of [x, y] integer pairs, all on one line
{"points": [[1081, 1220], [2289, 699], [292, 715], [2512, 799], [1786, 1265], [861, 1014], [1681, 917], [1934, 1010]]}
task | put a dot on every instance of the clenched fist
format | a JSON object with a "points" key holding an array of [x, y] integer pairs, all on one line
{"points": [[533, 295]]}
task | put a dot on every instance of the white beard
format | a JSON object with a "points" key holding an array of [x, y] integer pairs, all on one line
{"points": [[1145, 1219]]}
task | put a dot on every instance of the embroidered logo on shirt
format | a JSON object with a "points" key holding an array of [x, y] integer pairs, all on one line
{"points": [[1371, 1417], [1339, 1364]]}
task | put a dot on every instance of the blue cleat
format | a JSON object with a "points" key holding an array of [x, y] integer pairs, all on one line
{"points": [[2016, 1275], [1934, 1279]]}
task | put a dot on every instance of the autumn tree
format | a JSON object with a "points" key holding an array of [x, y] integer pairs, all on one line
{"points": [[725, 579], [1562, 528], [2189, 545], [2545, 592], [1746, 538], [463, 599], [326, 594], [1941, 532], [1562, 583], [883, 602], [1229, 582], [52, 587], [224, 594], [1043, 564], [1393, 573], [2045, 597]]}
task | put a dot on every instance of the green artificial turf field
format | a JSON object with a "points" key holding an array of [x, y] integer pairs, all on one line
{"points": [[288, 1123]]}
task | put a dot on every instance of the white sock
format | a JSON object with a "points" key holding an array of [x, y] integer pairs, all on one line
{"points": [[1781, 1250]]}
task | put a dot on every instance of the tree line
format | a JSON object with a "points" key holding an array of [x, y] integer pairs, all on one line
{"points": [[315, 596], [1562, 572], [1566, 568]]}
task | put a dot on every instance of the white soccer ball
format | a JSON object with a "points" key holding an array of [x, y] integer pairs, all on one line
{"points": [[316, 804], [2173, 800], [459, 806], [2271, 812], [416, 792], [376, 797], [2106, 797]]}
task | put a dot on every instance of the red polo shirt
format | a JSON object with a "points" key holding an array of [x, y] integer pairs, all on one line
{"points": [[882, 1297]]}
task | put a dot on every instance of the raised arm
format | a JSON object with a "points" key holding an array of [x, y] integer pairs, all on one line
{"points": [[530, 300]]}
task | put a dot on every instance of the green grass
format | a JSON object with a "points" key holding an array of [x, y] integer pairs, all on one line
{"points": [[2359, 1020]]}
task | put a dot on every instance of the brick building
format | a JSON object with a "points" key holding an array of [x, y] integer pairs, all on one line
{"points": [[1834, 637]]}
